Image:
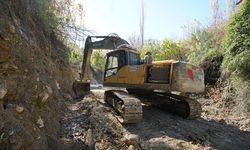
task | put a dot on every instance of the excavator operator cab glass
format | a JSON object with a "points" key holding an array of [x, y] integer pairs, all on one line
{"points": [[115, 60], [133, 59]]}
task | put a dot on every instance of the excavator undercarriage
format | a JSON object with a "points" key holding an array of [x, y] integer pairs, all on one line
{"points": [[129, 107]]}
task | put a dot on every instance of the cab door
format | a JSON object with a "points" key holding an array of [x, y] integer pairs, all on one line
{"points": [[114, 68]]}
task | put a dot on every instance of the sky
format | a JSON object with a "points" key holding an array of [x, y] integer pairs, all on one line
{"points": [[163, 18]]}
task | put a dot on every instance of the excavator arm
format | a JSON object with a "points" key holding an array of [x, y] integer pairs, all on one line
{"points": [[111, 41], [107, 42]]}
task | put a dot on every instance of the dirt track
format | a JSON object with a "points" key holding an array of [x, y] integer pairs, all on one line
{"points": [[158, 129], [163, 129]]}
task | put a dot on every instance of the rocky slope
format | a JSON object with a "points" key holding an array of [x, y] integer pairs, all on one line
{"points": [[33, 76]]}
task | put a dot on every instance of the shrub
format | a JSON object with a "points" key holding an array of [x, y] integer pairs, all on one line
{"points": [[237, 44], [46, 15], [163, 50], [98, 61], [76, 54]]}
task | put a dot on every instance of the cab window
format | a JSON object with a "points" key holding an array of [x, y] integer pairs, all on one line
{"points": [[114, 62], [134, 59]]}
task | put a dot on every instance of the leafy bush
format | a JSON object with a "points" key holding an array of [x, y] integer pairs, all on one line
{"points": [[171, 50], [98, 61], [237, 43], [153, 46], [205, 43], [163, 50], [56, 20], [76, 54]]}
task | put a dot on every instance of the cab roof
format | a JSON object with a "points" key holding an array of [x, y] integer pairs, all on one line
{"points": [[125, 49]]}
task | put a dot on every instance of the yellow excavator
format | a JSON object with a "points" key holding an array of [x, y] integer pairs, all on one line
{"points": [[156, 81]]}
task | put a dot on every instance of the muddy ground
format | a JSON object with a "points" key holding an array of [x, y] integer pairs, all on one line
{"points": [[90, 123]]}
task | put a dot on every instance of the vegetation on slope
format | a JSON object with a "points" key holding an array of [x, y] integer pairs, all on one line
{"points": [[237, 44]]}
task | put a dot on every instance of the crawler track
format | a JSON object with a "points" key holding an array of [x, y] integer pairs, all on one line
{"points": [[128, 107], [183, 106], [180, 105]]}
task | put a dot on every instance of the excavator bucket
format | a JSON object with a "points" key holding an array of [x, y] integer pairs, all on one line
{"points": [[81, 88]]}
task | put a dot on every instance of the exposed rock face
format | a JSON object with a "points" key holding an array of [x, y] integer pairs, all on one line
{"points": [[31, 72]]}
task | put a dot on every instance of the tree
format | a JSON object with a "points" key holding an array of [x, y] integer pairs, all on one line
{"points": [[230, 7], [59, 19], [163, 50], [171, 50], [214, 4], [202, 41], [142, 17], [76, 54], [153, 46], [135, 40]]}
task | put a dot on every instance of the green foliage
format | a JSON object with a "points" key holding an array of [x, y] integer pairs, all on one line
{"points": [[98, 61], [55, 17], [46, 15], [171, 50], [201, 40], [162, 50], [153, 46], [76, 54], [237, 43], [204, 43], [97, 58]]}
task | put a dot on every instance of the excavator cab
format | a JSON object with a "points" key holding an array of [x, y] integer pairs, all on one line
{"points": [[118, 59], [123, 66]]}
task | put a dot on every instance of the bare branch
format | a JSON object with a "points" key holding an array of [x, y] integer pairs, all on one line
{"points": [[214, 4]]}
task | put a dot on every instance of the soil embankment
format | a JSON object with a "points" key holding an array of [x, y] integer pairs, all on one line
{"points": [[34, 78]]}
